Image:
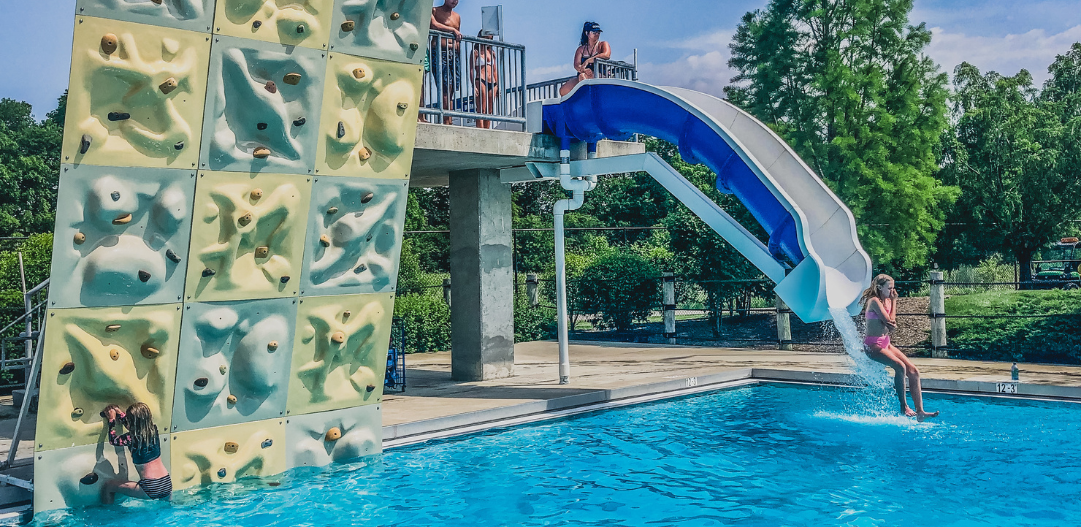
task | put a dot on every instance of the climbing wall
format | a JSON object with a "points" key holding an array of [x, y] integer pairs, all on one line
{"points": [[231, 206]]}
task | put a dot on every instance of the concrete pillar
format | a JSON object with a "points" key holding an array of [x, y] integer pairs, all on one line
{"points": [[938, 316], [668, 290], [784, 326], [482, 278]]}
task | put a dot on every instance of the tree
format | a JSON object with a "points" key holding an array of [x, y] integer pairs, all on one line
{"points": [[847, 84], [1014, 154], [29, 168]]}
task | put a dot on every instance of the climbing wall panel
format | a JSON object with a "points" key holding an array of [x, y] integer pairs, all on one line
{"points": [[234, 362], [227, 453], [262, 112], [369, 119], [287, 22], [97, 356], [75, 476], [247, 237], [191, 15], [136, 95], [340, 354], [121, 236], [354, 236], [392, 30], [320, 439]]}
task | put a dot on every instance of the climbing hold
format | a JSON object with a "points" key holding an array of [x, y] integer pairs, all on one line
{"points": [[300, 29], [266, 443], [365, 153], [367, 197], [168, 86], [348, 25], [122, 219], [271, 87], [222, 472], [272, 345], [115, 195], [369, 237], [261, 126], [299, 121], [292, 79], [262, 251], [201, 382], [119, 116], [231, 447], [149, 351], [371, 388], [403, 105], [112, 327], [284, 279], [158, 2], [231, 399], [179, 145], [144, 276], [341, 129], [338, 337], [346, 314], [244, 220], [261, 153], [359, 73], [332, 210], [208, 272], [325, 240], [84, 144], [223, 369], [76, 413], [114, 354], [395, 16], [109, 43], [257, 24], [79, 238], [333, 434], [360, 269], [256, 193], [414, 46], [89, 479], [67, 368], [172, 256]]}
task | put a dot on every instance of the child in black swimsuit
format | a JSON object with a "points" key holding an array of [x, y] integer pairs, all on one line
{"points": [[142, 440]]}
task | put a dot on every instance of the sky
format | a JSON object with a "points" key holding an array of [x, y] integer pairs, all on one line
{"points": [[680, 43]]}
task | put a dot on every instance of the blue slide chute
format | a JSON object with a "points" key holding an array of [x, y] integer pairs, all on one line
{"points": [[812, 235]]}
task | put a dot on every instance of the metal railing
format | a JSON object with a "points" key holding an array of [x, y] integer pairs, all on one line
{"points": [[474, 80], [606, 69], [35, 301]]}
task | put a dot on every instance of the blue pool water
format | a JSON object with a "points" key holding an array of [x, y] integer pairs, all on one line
{"points": [[766, 455]]}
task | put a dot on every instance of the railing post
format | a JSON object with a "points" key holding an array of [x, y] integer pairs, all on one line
{"points": [[938, 316], [446, 291], [668, 281], [784, 326], [531, 289]]}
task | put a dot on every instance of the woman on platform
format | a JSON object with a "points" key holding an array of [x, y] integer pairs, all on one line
{"points": [[590, 48]]}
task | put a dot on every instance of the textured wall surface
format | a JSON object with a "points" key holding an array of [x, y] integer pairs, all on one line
{"points": [[231, 206]]}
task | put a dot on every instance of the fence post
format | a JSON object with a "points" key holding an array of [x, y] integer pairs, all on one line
{"points": [[668, 281], [938, 315], [446, 291], [784, 326], [531, 289]]}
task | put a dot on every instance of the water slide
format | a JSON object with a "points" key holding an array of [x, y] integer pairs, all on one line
{"points": [[813, 253]]}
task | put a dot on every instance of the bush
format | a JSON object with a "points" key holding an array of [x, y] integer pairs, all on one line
{"points": [[622, 287], [532, 323], [426, 322], [1054, 339]]}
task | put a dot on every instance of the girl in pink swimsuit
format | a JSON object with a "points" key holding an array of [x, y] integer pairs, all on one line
{"points": [[879, 302]]}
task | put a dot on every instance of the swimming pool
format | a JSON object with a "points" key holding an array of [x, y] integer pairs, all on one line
{"points": [[764, 455]]}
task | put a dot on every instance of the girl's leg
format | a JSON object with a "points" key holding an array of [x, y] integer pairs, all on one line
{"points": [[884, 356], [914, 385], [125, 488]]}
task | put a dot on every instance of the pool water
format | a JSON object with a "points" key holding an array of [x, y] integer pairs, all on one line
{"points": [[765, 455]]}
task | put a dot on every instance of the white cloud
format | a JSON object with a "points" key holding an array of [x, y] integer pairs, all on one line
{"points": [[1034, 50], [703, 68]]}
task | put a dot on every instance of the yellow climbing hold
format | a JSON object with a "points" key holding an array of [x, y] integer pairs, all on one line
{"points": [[168, 86], [149, 351], [112, 327], [334, 434], [79, 238], [244, 220], [231, 447], [109, 42], [256, 193], [122, 219], [325, 240], [261, 153], [262, 251], [231, 399], [114, 354], [348, 25], [359, 73], [365, 153], [272, 345], [338, 337], [292, 79]]}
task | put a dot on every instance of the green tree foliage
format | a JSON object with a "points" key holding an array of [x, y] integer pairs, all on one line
{"points": [[1014, 154], [847, 84], [37, 253], [29, 168], [622, 286]]}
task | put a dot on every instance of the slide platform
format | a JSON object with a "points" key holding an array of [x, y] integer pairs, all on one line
{"points": [[813, 252]]}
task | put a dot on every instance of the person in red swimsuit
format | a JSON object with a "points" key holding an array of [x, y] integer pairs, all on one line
{"points": [[880, 301]]}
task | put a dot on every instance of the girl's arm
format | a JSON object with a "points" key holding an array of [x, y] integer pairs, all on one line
{"points": [[605, 52]]}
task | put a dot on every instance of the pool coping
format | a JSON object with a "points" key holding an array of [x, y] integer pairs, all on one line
{"points": [[404, 434]]}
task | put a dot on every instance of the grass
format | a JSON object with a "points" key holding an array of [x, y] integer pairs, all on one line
{"points": [[1007, 334]]}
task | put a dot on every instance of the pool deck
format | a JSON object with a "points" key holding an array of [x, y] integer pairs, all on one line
{"points": [[604, 373]]}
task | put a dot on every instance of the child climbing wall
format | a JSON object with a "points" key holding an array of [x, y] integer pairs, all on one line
{"points": [[231, 206]]}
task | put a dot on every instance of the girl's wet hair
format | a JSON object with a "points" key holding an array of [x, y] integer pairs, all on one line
{"points": [[872, 292], [140, 422]]}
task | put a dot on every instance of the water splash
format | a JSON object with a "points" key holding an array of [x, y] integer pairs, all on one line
{"points": [[879, 397]]}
